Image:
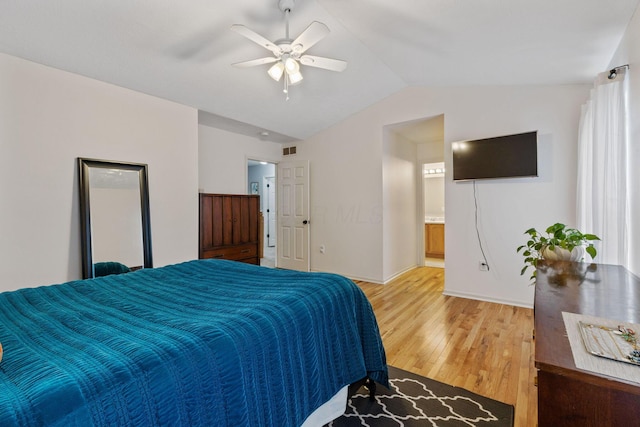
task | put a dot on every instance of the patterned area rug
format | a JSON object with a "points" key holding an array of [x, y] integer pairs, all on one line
{"points": [[418, 401]]}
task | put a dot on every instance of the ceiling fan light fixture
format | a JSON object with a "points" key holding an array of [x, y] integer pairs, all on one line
{"points": [[291, 65], [276, 71], [294, 78], [288, 53]]}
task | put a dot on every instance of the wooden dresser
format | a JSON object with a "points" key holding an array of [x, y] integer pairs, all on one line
{"points": [[568, 396], [229, 227]]}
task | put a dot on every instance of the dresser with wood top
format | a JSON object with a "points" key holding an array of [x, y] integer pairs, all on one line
{"points": [[568, 396]]}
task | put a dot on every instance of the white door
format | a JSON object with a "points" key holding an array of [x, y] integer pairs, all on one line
{"points": [[271, 211], [293, 215]]}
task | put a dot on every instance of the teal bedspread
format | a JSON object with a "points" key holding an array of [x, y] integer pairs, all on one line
{"points": [[202, 343]]}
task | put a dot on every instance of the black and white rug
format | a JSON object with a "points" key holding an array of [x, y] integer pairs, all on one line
{"points": [[418, 401]]}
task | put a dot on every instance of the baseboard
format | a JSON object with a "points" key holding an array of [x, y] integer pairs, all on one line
{"points": [[395, 276], [466, 295], [354, 278], [375, 281], [484, 298], [384, 282]]}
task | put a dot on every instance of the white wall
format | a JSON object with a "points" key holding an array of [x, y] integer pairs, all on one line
{"points": [[48, 118], [223, 159], [508, 207], [400, 205], [629, 53], [347, 172], [346, 198], [433, 196]]}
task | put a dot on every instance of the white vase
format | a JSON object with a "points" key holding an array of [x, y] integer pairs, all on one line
{"points": [[577, 254], [557, 254], [561, 254]]}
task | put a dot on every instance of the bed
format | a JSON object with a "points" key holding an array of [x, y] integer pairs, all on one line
{"points": [[201, 343]]}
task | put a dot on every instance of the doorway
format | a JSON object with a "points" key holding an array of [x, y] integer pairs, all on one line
{"points": [[261, 181], [427, 135], [433, 196]]}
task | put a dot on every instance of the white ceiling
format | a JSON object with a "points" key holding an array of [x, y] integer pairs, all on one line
{"points": [[182, 50]]}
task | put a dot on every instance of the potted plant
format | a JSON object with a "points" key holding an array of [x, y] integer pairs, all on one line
{"points": [[557, 243]]}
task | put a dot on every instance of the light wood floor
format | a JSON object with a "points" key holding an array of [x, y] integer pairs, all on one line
{"points": [[484, 347]]}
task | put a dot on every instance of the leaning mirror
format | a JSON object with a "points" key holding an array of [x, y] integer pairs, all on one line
{"points": [[114, 217]]}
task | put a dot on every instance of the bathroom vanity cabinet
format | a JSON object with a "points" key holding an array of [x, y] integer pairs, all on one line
{"points": [[434, 240]]}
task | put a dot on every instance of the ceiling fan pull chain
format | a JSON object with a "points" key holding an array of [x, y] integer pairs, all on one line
{"points": [[286, 19], [286, 86]]}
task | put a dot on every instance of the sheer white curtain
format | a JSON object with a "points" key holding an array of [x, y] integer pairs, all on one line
{"points": [[602, 197]]}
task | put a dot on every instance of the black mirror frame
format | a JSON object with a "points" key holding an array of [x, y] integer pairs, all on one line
{"points": [[84, 165]]}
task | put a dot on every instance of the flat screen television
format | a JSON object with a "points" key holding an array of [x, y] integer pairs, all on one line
{"points": [[507, 156]]}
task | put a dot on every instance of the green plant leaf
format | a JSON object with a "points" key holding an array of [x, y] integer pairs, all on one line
{"points": [[557, 227], [557, 235]]}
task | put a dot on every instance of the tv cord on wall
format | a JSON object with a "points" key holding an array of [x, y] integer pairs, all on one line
{"points": [[475, 200]]}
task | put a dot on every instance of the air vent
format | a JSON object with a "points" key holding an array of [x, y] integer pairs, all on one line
{"points": [[287, 151]]}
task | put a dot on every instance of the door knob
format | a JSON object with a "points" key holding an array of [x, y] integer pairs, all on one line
{"points": [[305, 222]]}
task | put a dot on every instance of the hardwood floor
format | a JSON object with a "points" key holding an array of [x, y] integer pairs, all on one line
{"points": [[484, 347]]}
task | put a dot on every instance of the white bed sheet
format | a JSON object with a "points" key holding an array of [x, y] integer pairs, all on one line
{"points": [[330, 410]]}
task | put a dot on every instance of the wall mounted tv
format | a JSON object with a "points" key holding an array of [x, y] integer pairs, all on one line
{"points": [[507, 156]]}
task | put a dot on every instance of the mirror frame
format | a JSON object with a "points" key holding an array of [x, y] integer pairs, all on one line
{"points": [[84, 165]]}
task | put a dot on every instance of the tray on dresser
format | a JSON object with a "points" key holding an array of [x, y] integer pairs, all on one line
{"points": [[610, 342]]}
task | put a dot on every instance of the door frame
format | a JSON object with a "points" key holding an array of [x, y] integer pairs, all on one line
{"points": [[261, 158]]}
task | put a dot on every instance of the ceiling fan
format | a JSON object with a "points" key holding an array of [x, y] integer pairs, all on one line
{"points": [[288, 53]]}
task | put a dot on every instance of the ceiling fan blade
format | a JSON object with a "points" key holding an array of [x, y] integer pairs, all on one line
{"points": [[326, 63], [254, 62], [315, 32], [255, 37]]}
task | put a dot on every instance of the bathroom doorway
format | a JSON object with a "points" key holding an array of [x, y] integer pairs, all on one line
{"points": [[261, 181], [434, 218]]}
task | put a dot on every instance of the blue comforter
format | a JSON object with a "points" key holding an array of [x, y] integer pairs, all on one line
{"points": [[202, 343]]}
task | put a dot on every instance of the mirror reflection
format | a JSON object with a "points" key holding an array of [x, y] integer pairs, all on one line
{"points": [[115, 219]]}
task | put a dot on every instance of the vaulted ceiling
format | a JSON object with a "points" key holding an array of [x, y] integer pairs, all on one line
{"points": [[182, 50]]}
